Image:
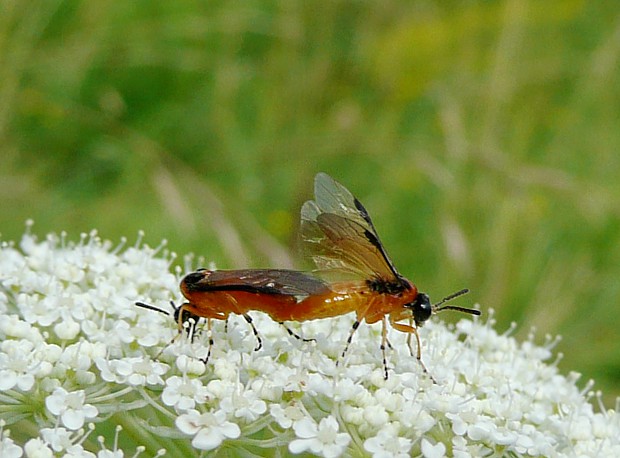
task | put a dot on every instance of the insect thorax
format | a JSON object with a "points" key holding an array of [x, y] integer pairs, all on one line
{"points": [[383, 286]]}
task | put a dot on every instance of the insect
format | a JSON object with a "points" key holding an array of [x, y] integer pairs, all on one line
{"points": [[354, 274], [215, 294]]}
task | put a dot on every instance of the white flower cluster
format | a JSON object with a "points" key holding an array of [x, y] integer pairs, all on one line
{"points": [[78, 358]]}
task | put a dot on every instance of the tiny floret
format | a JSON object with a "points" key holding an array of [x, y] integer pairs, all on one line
{"points": [[208, 429], [70, 407], [387, 444], [322, 439], [183, 393]]}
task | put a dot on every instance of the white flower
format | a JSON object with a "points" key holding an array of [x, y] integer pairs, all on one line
{"points": [[221, 389], [36, 448], [286, 416], [322, 439], [15, 365], [387, 444], [209, 429], [57, 438], [61, 440], [8, 449], [37, 310], [183, 393], [347, 390], [140, 333], [243, 404], [376, 415], [190, 366], [267, 390], [22, 361], [134, 371], [12, 326], [67, 330], [70, 407], [433, 451], [81, 355]]}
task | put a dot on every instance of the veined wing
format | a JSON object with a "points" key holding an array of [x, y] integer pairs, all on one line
{"points": [[265, 281], [339, 235]]}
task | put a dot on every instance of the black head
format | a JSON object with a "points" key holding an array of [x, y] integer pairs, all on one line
{"points": [[422, 309]]}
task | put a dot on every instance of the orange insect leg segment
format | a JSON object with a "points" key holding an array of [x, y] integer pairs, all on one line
{"points": [[201, 307], [409, 330], [409, 338], [413, 330]]}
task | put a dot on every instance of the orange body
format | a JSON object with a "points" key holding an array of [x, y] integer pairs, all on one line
{"points": [[334, 300]]}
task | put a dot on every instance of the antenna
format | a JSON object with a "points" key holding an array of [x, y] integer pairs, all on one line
{"points": [[437, 307], [152, 307]]}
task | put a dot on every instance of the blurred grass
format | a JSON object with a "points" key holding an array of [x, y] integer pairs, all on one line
{"points": [[482, 136]]}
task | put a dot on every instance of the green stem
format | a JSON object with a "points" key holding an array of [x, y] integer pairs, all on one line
{"points": [[110, 396], [152, 443]]}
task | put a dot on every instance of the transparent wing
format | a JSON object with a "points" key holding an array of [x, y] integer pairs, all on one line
{"points": [[338, 234]]}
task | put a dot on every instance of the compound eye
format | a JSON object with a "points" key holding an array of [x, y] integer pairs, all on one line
{"points": [[421, 308]]}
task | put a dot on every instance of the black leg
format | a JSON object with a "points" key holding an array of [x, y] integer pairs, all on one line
{"points": [[356, 325], [259, 345], [206, 359], [294, 334], [384, 340]]}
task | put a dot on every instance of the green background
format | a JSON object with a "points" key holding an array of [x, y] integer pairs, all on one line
{"points": [[482, 136]]}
